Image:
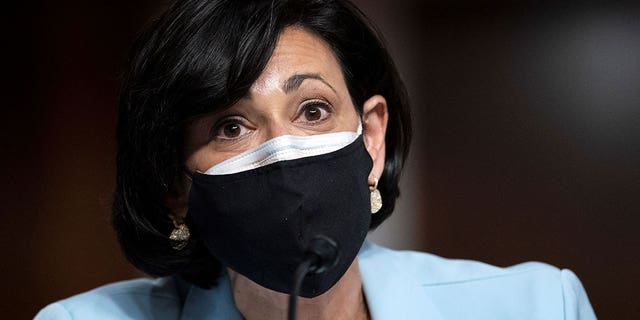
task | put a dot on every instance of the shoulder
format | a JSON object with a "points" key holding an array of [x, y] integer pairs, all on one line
{"points": [[484, 290], [132, 299], [436, 270]]}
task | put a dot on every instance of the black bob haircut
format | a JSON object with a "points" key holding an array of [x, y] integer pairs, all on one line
{"points": [[201, 56]]}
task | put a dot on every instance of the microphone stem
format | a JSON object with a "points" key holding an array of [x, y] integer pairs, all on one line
{"points": [[301, 272]]}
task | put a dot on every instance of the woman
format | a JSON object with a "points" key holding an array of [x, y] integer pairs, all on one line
{"points": [[258, 139]]}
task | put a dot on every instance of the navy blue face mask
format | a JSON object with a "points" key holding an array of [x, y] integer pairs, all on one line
{"points": [[262, 221]]}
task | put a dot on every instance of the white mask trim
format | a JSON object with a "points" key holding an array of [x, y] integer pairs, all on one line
{"points": [[283, 148]]}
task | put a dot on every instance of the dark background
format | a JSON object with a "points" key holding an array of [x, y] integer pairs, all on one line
{"points": [[527, 122]]}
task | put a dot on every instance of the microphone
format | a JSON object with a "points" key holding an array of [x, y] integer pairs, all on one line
{"points": [[321, 255], [325, 250]]}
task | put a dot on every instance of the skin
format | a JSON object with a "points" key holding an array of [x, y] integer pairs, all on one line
{"points": [[301, 91]]}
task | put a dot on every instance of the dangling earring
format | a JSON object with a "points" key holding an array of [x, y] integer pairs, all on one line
{"points": [[180, 235], [376, 198]]}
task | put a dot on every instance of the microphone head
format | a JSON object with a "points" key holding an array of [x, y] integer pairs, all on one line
{"points": [[326, 251]]}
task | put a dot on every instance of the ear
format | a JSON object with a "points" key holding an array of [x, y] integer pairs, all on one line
{"points": [[374, 123], [177, 199]]}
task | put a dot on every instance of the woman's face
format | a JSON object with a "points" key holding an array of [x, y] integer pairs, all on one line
{"points": [[300, 92]]}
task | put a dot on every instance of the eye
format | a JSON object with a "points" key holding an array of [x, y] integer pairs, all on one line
{"points": [[314, 111], [229, 129]]}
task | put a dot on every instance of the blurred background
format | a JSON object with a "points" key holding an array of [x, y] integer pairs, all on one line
{"points": [[527, 140]]}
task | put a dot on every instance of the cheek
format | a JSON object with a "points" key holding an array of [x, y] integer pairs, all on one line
{"points": [[350, 120], [204, 158]]}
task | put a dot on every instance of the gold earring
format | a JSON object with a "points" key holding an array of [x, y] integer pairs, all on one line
{"points": [[376, 198], [180, 235]]}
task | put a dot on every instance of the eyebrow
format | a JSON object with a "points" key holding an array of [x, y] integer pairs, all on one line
{"points": [[296, 80]]}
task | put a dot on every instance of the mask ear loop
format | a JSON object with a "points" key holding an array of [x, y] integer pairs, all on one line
{"points": [[188, 174]]}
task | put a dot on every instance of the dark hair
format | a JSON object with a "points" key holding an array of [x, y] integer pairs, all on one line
{"points": [[201, 56]]}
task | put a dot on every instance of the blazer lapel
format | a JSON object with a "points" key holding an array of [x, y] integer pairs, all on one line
{"points": [[216, 303], [392, 291]]}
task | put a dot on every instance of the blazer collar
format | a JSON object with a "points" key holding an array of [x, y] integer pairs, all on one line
{"points": [[390, 290], [214, 303]]}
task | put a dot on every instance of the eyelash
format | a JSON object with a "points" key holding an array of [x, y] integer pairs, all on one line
{"points": [[217, 131], [326, 108], [320, 104]]}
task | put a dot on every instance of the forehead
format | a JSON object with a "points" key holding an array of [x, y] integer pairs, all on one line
{"points": [[298, 52]]}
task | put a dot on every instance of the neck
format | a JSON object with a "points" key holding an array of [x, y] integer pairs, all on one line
{"points": [[345, 300]]}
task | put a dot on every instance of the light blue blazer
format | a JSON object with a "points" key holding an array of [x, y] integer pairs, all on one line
{"points": [[397, 285]]}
